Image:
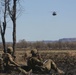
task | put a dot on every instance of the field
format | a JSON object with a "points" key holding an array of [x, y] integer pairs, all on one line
{"points": [[65, 59]]}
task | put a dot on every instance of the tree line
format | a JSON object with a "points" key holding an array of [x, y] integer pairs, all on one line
{"points": [[58, 45]]}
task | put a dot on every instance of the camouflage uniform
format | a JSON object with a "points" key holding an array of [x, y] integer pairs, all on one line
{"points": [[1, 65], [36, 64], [8, 61]]}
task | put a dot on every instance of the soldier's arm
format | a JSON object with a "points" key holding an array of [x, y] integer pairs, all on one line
{"points": [[39, 62], [11, 60], [39, 57]]}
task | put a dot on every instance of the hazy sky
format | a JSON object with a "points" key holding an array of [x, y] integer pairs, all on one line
{"points": [[37, 23]]}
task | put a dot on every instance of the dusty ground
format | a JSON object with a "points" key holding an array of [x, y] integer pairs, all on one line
{"points": [[65, 60]]}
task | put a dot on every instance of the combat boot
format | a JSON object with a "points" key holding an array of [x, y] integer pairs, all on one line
{"points": [[61, 72]]}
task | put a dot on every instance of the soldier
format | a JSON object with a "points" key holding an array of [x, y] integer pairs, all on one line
{"points": [[8, 61], [36, 64]]}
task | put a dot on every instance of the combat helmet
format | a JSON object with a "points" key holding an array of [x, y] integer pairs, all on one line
{"points": [[9, 49], [34, 51]]}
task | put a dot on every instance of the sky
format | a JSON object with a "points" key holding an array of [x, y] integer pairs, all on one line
{"points": [[36, 22]]}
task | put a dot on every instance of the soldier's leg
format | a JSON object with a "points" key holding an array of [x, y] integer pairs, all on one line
{"points": [[54, 67], [24, 71], [49, 64]]}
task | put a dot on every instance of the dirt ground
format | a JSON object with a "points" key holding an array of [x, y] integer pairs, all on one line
{"points": [[65, 60]]}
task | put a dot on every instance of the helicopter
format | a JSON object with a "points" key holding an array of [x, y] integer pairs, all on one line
{"points": [[54, 13]]}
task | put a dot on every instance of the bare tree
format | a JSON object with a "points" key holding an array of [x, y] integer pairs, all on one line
{"points": [[12, 14], [12, 9], [3, 25]]}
